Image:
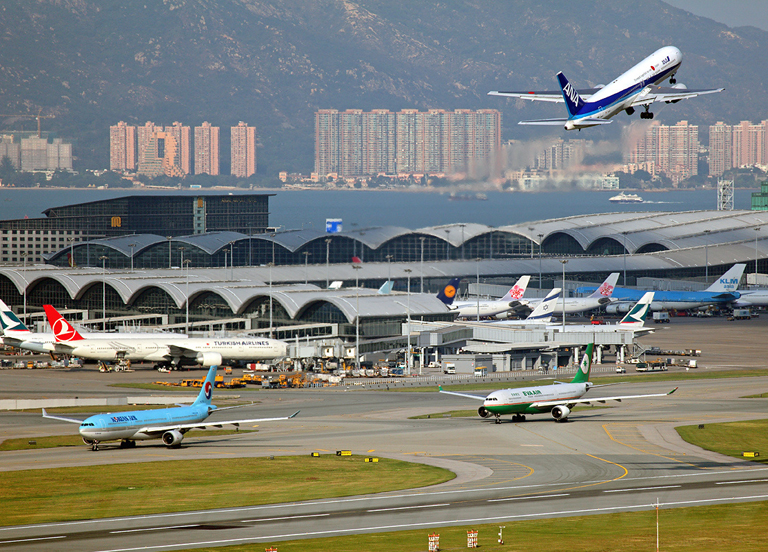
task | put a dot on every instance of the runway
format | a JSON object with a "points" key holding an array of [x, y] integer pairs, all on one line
{"points": [[604, 460]]}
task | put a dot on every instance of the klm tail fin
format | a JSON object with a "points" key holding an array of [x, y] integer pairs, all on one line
{"points": [[386, 288], [544, 310], [606, 288], [572, 99], [729, 281], [636, 316], [207, 391], [9, 321], [582, 374], [447, 294], [518, 290]]}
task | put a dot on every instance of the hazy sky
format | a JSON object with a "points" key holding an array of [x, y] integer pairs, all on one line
{"points": [[734, 13]]}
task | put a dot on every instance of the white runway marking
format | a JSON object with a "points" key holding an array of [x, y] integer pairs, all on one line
{"points": [[740, 482], [526, 497], [33, 539], [153, 529], [409, 507], [643, 489], [284, 517]]}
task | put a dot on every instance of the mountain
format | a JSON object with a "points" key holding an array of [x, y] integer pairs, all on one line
{"points": [[274, 63]]}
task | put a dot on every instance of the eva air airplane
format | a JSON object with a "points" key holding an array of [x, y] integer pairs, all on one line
{"points": [[168, 424], [558, 399]]}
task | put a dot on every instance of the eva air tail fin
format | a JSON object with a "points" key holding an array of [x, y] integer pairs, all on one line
{"points": [[572, 98], [582, 374], [207, 391]]}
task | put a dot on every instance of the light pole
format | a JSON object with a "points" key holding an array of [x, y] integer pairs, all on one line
{"points": [[447, 244], [421, 285], [232, 260], [181, 253], [131, 245], [270, 298], [357, 267], [540, 236], [169, 238], [462, 240], [757, 232], [706, 256], [530, 229], [103, 260], [186, 299], [562, 291], [625, 258], [477, 291], [71, 251], [408, 323], [24, 258], [327, 262], [306, 266], [389, 267]]}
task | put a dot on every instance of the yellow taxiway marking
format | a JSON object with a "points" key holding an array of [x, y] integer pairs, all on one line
{"points": [[372, 450]]}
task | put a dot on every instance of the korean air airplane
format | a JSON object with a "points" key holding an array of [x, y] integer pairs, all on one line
{"points": [[557, 399], [168, 424], [638, 87]]}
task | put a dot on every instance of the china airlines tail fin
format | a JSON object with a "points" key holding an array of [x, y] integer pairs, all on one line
{"points": [[448, 293], [606, 288], [572, 99], [635, 318], [544, 310], [62, 330], [9, 321], [518, 290], [729, 281]]}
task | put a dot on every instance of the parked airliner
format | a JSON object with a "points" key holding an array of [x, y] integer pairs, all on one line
{"points": [[485, 308], [166, 351], [637, 87], [168, 424], [600, 297], [557, 399]]}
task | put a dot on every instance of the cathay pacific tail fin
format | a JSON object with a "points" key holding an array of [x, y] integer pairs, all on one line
{"points": [[635, 318]]}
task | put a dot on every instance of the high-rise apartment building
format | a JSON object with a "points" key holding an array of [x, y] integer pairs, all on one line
{"points": [[143, 135], [207, 149], [122, 147], [674, 150], [357, 143], [243, 150], [720, 144], [742, 145], [183, 137]]}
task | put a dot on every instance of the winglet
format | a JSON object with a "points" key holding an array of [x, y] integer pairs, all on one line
{"points": [[294, 414], [439, 387], [675, 389]]}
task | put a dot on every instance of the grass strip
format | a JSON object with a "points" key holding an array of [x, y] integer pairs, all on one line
{"points": [[725, 528], [116, 490], [730, 438]]}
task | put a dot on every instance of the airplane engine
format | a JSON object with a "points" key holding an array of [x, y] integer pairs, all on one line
{"points": [[172, 438], [679, 86], [615, 309], [209, 359], [483, 412], [88, 442], [560, 413]]}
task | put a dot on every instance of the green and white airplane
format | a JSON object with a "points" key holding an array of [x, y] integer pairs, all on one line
{"points": [[558, 399]]}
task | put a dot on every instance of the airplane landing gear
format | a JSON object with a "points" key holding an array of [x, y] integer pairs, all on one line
{"points": [[646, 114], [498, 419], [672, 79], [518, 418], [95, 446]]}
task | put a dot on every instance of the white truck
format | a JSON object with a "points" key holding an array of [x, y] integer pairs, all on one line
{"points": [[449, 368], [661, 317]]}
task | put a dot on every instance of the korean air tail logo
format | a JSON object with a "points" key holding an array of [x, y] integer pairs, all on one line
{"points": [[516, 292], [208, 389], [606, 290]]}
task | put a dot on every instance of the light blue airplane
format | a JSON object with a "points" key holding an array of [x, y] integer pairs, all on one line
{"points": [[168, 424]]}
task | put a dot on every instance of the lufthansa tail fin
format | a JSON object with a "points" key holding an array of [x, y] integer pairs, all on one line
{"points": [[582, 374], [448, 293], [571, 96], [62, 330], [207, 391]]}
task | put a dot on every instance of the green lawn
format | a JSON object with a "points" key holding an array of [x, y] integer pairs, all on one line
{"points": [[116, 490], [731, 439]]}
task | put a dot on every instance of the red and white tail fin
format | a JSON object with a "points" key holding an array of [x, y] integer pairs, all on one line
{"points": [[518, 290], [62, 330], [606, 288]]}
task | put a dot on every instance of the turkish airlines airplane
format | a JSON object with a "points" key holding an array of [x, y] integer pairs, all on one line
{"points": [[638, 87]]}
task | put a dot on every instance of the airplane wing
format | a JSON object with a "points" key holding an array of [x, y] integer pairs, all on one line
{"points": [[586, 121], [466, 395], [542, 96], [572, 402], [61, 418], [653, 94], [202, 425]]}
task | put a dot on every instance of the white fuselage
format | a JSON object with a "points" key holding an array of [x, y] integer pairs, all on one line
{"points": [[519, 400], [469, 309]]}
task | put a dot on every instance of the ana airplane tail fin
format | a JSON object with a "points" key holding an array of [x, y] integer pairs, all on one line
{"points": [[448, 293], [544, 310], [582, 374], [606, 288], [9, 321], [386, 288], [636, 315], [62, 330], [204, 397], [572, 99], [518, 290], [728, 281]]}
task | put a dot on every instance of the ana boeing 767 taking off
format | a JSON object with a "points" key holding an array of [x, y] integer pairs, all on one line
{"points": [[637, 87]]}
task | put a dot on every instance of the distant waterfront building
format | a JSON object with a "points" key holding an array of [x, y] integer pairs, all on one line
{"points": [[207, 149], [674, 150], [561, 155], [161, 156], [243, 150], [37, 154], [720, 143], [737, 146], [11, 149], [183, 136], [143, 135], [122, 147], [355, 143]]}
